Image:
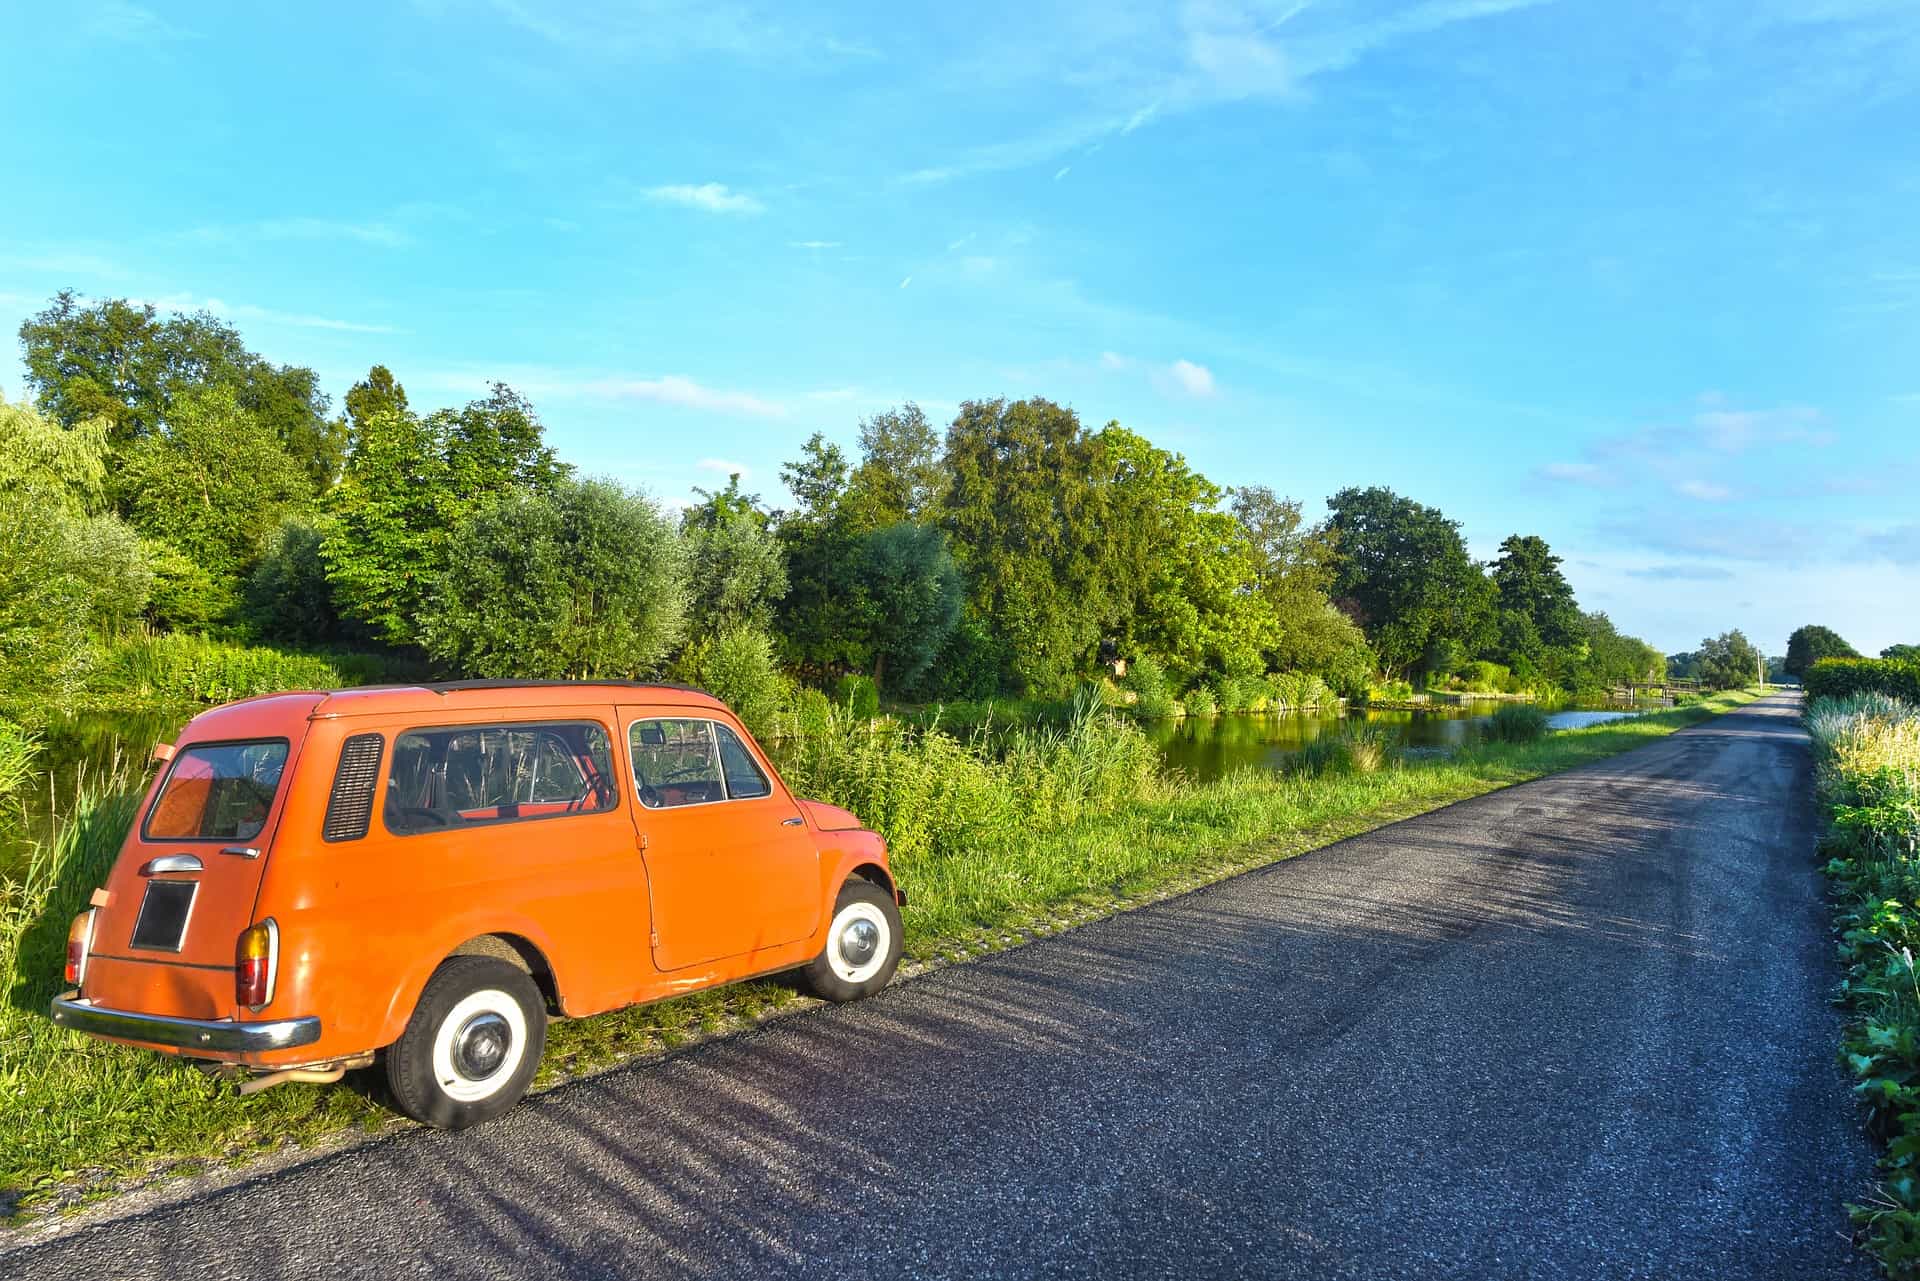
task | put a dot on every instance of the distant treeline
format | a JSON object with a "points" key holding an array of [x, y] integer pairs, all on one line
{"points": [[165, 478]]}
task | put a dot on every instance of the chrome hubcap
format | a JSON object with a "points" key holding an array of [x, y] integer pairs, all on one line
{"points": [[858, 942], [481, 1045]]}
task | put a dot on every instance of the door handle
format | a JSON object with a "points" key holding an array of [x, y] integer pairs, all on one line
{"points": [[171, 863], [242, 851], [795, 821]]}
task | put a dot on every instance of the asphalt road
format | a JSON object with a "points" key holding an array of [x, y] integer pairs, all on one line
{"points": [[1573, 1029]]}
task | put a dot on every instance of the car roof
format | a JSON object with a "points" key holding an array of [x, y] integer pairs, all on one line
{"points": [[364, 700], [272, 715]]}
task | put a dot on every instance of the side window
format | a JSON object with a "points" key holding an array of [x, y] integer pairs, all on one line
{"points": [[473, 774], [674, 763], [745, 781]]}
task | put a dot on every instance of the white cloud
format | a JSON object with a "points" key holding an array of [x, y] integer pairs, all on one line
{"points": [[1062, 172], [724, 467], [384, 235], [673, 389], [906, 281], [813, 244], [1195, 380], [1704, 490], [116, 20], [1112, 360], [714, 197], [265, 315], [1578, 473]]}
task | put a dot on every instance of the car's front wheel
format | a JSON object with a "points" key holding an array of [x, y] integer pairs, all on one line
{"points": [[863, 945], [472, 1046]]}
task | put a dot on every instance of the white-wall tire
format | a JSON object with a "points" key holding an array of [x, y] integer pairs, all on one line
{"points": [[472, 1046], [862, 946]]}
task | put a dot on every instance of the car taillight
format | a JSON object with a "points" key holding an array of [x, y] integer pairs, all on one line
{"points": [[255, 958], [79, 941]]}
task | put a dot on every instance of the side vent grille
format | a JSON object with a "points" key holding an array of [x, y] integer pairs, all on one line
{"points": [[350, 808]]}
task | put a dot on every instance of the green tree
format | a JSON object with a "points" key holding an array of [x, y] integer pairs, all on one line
{"points": [[912, 591], [1188, 576], [1908, 653], [583, 580], [212, 483], [287, 596], [50, 465], [899, 480], [820, 619], [738, 573], [378, 391], [1727, 661], [123, 363], [1537, 620], [1402, 571], [1809, 644], [408, 482], [1026, 506], [65, 579]]}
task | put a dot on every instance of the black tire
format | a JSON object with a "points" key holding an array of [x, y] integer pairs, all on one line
{"points": [[474, 1011], [844, 970]]}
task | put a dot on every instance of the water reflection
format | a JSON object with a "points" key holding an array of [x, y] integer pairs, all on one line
{"points": [[1208, 747]]}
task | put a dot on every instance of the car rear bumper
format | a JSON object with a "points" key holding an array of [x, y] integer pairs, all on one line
{"points": [[217, 1036]]}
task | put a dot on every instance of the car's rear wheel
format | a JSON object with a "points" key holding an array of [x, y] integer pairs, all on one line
{"points": [[863, 945], [472, 1046]]}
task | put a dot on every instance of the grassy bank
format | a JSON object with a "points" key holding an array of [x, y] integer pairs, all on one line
{"points": [[1867, 768], [1047, 829]]}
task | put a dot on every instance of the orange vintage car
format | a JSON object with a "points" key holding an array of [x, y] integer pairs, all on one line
{"points": [[428, 873]]}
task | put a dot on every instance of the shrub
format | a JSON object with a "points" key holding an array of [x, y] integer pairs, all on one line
{"points": [[1842, 677], [1353, 749], [1153, 693], [1299, 689], [1516, 723], [1482, 677], [859, 695], [1241, 694], [1390, 691], [1200, 702], [737, 667], [286, 597]]}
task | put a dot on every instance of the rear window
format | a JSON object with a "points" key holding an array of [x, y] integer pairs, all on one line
{"points": [[461, 776], [217, 792]]}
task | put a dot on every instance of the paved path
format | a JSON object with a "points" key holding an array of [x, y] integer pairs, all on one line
{"points": [[1573, 1029]]}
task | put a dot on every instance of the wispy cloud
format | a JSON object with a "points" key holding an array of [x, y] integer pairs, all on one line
{"points": [[714, 197], [1901, 545], [1578, 474], [813, 244], [724, 467], [63, 262], [1112, 360], [1704, 491], [1195, 380], [384, 235], [266, 315], [1200, 55], [686, 393], [1682, 573], [116, 20]]}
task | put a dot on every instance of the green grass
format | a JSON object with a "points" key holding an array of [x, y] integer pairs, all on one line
{"points": [[179, 668], [996, 841], [1867, 773]]}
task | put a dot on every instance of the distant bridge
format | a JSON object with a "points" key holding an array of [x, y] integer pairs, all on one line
{"points": [[1662, 691]]}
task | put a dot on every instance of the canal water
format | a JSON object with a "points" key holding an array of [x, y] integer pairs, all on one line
{"points": [[1206, 748]]}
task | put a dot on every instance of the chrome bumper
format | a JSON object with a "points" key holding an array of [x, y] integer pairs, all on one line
{"points": [[216, 1035]]}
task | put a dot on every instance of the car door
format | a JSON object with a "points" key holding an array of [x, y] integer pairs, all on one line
{"points": [[732, 866]]}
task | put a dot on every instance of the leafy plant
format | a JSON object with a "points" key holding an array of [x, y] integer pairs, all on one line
{"points": [[1516, 723]]}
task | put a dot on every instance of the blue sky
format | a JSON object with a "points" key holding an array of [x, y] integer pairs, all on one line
{"points": [[1641, 279]]}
